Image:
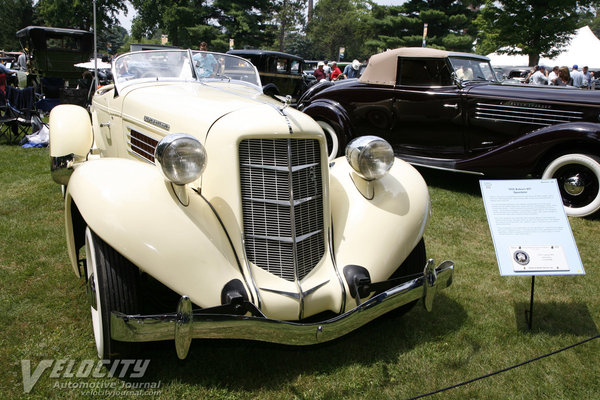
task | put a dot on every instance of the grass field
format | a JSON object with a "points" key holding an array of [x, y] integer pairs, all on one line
{"points": [[477, 326]]}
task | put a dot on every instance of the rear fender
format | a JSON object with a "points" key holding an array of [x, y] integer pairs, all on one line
{"points": [[131, 207]]}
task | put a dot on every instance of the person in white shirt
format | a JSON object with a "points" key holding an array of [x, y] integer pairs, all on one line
{"points": [[553, 76], [576, 76], [539, 76]]}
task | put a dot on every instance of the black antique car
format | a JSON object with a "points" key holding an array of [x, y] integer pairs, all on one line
{"points": [[446, 110], [280, 73]]}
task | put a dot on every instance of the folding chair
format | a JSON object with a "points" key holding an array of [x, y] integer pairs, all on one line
{"points": [[8, 121], [21, 108]]}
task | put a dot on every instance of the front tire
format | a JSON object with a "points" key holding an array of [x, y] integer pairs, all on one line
{"points": [[411, 268], [578, 178], [113, 285]]}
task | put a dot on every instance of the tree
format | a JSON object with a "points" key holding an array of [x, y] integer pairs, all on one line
{"points": [[450, 25], [79, 14], [339, 23], [15, 15], [289, 17], [536, 28], [248, 22]]}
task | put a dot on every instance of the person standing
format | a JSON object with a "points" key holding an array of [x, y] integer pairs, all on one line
{"points": [[539, 77], [320, 72], [576, 76], [587, 78], [335, 71], [205, 63], [553, 76], [327, 69], [351, 70], [22, 60]]}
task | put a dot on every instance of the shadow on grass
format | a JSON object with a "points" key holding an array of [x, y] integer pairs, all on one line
{"points": [[248, 365], [556, 318], [453, 181]]}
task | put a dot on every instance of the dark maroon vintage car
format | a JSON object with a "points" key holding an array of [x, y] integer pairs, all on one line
{"points": [[446, 110]]}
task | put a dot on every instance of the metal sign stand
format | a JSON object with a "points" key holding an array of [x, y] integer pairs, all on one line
{"points": [[529, 313]]}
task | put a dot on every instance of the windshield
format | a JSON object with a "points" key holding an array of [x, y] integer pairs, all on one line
{"points": [[473, 69], [184, 65]]}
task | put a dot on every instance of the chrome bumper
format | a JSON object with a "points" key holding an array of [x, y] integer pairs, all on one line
{"points": [[185, 324]]}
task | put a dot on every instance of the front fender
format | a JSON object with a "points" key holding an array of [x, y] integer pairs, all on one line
{"points": [[331, 111], [377, 231], [131, 207]]}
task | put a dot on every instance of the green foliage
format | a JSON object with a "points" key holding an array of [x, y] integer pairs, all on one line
{"points": [[450, 25], [538, 29], [329, 32], [79, 14], [14, 15]]}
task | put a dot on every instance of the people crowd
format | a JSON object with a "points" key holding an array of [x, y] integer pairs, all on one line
{"points": [[562, 76], [327, 70]]}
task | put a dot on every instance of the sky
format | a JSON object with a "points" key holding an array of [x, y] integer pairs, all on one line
{"points": [[125, 20]]}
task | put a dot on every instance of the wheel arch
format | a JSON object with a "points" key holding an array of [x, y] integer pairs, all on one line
{"points": [[335, 115]]}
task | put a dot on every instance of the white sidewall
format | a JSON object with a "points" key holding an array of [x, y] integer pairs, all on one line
{"points": [[97, 326], [585, 161]]}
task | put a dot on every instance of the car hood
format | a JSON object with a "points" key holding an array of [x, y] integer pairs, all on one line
{"points": [[543, 94], [188, 107]]}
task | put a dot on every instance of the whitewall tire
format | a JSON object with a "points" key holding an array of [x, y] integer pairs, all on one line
{"points": [[332, 140], [112, 285], [578, 177]]}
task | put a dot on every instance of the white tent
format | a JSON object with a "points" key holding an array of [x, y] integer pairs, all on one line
{"points": [[584, 49]]}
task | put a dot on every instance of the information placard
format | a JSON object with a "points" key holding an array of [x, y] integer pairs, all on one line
{"points": [[530, 228]]}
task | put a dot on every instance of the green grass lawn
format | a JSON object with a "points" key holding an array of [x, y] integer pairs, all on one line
{"points": [[477, 325]]}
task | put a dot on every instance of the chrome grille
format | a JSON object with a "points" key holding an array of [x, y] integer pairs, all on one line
{"points": [[525, 115], [282, 205], [141, 145]]}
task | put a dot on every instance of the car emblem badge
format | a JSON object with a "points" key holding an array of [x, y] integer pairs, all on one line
{"points": [[156, 122]]}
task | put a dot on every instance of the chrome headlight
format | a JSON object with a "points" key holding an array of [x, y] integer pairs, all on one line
{"points": [[370, 156], [181, 157]]}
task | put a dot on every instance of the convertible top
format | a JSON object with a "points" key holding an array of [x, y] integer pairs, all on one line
{"points": [[382, 67]]}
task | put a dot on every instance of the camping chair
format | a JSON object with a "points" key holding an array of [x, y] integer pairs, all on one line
{"points": [[8, 121], [3, 83], [22, 108]]}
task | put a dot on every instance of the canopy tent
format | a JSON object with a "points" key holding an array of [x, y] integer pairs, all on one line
{"points": [[584, 49], [91, 64]]}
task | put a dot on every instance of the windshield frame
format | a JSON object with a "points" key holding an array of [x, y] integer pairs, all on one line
{"points": [[178, 65]]}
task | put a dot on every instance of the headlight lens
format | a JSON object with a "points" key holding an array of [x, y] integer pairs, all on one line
{"points": [[370, 156], [181, 157]]}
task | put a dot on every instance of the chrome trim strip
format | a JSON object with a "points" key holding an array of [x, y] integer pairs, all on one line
{"points": [[284, 239], [281, 203], [147, 328], [548, 110], [280, 169], [295, 295], [133, 153]]}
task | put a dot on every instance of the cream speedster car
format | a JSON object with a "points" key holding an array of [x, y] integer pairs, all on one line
{"points": [[187, 175]]}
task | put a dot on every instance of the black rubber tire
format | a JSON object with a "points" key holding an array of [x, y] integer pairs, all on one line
{"points": [[116, 282], [411, 268]]}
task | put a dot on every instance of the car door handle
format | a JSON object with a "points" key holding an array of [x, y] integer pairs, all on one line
{"points": [[455, 106], [105, 124]]}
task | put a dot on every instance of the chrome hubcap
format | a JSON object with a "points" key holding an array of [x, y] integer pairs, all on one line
{"points": [[574, 185]]}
